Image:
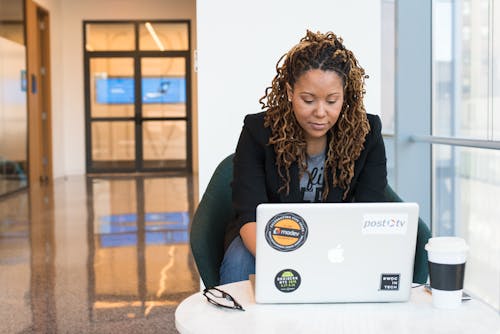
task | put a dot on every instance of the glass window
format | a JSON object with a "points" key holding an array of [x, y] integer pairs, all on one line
{"points": [[113, 144], [466, 192], [466, 181], [387, 113], [12, 20], [164, 143], [163, 36], [110, 37], [443, 70], [112, 87], [495, 72], [13, 107], [164, 87], [388, 65], [461, 69]]}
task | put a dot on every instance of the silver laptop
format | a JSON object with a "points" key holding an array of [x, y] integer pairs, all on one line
{"points": [[335, 252]]}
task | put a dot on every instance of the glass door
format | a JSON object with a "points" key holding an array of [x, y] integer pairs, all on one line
{"points": [[13, 97], [137, 96]]}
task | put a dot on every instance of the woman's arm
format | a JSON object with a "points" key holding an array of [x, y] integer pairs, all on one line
{"points": [[372, 179], [247, 233], [249, 177]]}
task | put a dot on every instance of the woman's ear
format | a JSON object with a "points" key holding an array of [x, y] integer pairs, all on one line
{"points": [[289, 91]]}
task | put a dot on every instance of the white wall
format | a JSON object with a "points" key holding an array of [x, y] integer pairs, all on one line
{"points": [[239, 44], [68, 102]]}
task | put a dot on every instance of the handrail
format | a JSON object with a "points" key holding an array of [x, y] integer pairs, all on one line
{"points": [[476, 143]]}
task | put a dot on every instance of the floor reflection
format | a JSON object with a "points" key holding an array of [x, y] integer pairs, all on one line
{"points": [[138, 237], [15, 258], [43, 256], [94, 254]]}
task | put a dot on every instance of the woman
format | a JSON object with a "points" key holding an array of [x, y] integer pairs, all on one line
{"points": [[313, 142]]}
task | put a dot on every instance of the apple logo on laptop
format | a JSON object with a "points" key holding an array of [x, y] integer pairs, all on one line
{"points": [[336, 255]]}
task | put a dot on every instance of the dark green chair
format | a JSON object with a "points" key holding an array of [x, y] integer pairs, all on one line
{"points": [[215, 211], [420, 267]]}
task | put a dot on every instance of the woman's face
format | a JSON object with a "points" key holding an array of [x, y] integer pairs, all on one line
{"points": [[317, 98]]}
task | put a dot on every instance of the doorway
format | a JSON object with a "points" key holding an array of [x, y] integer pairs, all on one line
{"points": [[138, 96]]}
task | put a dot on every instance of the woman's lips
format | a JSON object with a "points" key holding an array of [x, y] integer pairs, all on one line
{"points": [[318, 126]]}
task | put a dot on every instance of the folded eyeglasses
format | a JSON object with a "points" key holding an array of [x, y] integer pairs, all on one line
{"points": [[221, 298]]}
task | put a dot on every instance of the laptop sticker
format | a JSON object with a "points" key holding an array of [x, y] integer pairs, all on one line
{"points": [[389, 282], [286, 231], [384, 224], [287, 280]]}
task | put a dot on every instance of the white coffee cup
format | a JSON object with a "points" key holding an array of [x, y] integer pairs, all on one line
{"points": [[447, 257]]}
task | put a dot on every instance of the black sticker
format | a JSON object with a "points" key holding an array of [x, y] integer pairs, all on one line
{"points": [[389, 282], [287, 280], [286, 231]]}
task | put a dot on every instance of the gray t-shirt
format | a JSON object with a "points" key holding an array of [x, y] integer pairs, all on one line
{"points": [[312, 187]]}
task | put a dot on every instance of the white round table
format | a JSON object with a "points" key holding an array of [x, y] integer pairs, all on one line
{"points": [[196, 315]]}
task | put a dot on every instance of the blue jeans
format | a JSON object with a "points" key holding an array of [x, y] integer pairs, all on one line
{"points": [[237, 264]]}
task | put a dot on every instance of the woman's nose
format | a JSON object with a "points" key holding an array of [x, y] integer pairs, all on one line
{"points": [[320, 110]]}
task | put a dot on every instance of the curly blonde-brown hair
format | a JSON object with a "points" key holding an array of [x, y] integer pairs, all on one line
{"points": [[346, 138]]}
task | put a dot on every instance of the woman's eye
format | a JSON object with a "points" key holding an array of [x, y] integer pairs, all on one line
{"points": [[308, 101], [331, 102]]}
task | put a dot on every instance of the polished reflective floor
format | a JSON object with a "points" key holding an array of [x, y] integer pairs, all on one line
{"points": [[96, 255]]}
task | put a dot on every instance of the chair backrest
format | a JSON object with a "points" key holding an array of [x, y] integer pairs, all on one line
{"points": [[420, 266], [208, 227], [215, 211]]}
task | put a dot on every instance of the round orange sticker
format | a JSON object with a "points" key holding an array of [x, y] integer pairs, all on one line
{"points": [[286, 231]]}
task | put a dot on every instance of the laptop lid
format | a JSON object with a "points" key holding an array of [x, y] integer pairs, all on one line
{"points": [[335, 252]]}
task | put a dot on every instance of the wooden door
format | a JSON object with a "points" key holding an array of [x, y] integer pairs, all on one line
{"points": [[39, 102]]}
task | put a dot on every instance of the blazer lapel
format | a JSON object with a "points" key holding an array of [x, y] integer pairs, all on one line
{"points": [[294, 193], [335, 193]]}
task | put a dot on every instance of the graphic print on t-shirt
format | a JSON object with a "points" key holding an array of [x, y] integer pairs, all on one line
{"points": [[311, 184], [314, 188]]}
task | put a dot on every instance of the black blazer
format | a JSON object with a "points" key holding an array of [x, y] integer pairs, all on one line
{"points": [[256, 179]]}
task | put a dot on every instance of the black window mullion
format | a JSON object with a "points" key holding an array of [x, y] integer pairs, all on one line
{"points": [[189, 147], [164, 119], [138, 102], [88, 127], [161, 54], [111, 119], [110, 54]]}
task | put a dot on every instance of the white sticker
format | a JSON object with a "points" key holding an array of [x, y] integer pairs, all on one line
{"points": [[384, 223]]}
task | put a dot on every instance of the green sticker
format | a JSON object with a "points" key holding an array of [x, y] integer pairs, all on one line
{"points": [[287, 280]]}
